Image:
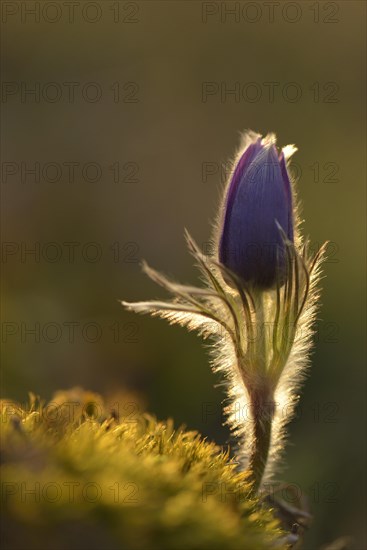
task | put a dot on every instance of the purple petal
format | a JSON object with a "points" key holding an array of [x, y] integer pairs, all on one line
{"points": [[259, 197]]}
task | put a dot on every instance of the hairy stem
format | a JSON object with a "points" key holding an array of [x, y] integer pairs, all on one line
{"points": [[262, 411], [260, 333]]}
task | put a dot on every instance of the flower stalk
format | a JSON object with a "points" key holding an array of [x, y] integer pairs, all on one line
{"points": [[258, 304], [262, 411]]}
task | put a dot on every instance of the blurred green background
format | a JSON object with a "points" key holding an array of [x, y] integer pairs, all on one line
{"points": [[152, 63]]}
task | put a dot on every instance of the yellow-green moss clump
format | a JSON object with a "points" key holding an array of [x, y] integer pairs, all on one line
{"points": [[74, 476]]}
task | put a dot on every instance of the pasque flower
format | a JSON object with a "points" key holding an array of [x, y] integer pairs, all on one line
{"points": [[258, 201], [258, 304]]}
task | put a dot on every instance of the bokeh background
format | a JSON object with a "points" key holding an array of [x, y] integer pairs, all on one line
{"points": [[148, 133]]}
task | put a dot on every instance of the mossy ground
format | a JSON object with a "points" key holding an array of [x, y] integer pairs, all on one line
{"points": [[89, 480]]}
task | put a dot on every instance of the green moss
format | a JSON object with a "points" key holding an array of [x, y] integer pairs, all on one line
{"points": [[87, 480]]}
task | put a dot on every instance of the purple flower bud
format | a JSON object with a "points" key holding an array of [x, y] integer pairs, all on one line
{"points": [[259, 197]]}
